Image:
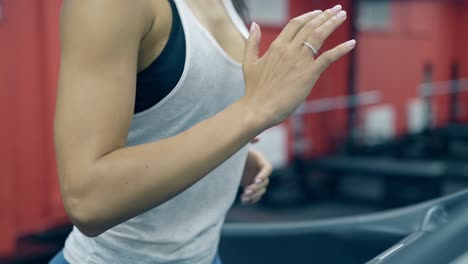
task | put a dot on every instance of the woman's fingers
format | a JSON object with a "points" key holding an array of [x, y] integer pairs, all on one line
{"points": [[327, 58], [252, 189], [317, 37], [252, 45], [316, 24], [257, 197], [295, 25]]}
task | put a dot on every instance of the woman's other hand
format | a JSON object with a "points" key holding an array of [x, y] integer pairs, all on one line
{"points": [[256, 177]]}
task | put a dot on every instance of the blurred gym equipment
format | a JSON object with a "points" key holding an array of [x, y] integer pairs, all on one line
{"points": [[412, 234]]}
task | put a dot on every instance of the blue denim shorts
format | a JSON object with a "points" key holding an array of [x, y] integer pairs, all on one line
{"points": [[60, 259]]}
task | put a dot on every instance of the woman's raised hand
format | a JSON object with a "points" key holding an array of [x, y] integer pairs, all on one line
{"points": [[278, 82]]}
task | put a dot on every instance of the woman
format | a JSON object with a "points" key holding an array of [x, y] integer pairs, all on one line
{"points": [[156, 103]]}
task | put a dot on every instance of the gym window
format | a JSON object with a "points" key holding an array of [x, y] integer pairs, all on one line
{"points": [[374, 15], [269, 12]]}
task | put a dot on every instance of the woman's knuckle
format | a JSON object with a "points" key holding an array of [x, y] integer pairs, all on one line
{"points": [[326, 58], [326, 54], [276, 45], [329, 13], [297, 21], [318, 33], [335, 20], [310, 25]]}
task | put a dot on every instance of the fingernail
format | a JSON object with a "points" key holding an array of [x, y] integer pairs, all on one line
{"points": [[316, 12], [341, 14], [252, 27], [258, 181], [351, 43], [337, 8], [248, 192]]}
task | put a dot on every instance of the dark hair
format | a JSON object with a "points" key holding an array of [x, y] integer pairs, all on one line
{"points": [[241, 8]]}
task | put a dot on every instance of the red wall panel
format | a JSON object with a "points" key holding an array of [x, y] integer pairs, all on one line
{"points": [[324, 130], [29, 52], [6, 172], [51, 59], [460, 46], [19, 59], [392, 61]]}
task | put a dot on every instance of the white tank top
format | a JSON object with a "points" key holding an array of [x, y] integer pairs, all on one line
{"points": [[185, 229]]}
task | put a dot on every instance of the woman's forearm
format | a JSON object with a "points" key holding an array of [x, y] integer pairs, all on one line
{"points": [[132, 180]]}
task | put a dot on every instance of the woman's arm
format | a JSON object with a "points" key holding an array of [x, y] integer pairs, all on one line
{"points": [[105, 183]]}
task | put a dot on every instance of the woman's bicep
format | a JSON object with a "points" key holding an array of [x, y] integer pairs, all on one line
{"points": [[99, 51]]}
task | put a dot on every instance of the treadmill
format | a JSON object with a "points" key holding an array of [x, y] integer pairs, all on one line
{"points": [[431, 232]]}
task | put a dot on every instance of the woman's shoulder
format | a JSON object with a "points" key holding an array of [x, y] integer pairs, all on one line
{"points": [[136, 13]]}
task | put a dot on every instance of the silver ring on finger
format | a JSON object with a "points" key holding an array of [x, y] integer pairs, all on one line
{"points": [[308, 45]]}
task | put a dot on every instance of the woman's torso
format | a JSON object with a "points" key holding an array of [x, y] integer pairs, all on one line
{"points": [[186, 228]]}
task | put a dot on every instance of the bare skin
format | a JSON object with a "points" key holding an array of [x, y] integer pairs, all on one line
{"points": [[104, 44]]}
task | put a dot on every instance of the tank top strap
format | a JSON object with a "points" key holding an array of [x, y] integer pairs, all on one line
{"points": [[233, 15], [236, 18]]}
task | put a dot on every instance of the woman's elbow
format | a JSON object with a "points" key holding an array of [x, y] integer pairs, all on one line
{"points": [[83, 216], [82, 211]]}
